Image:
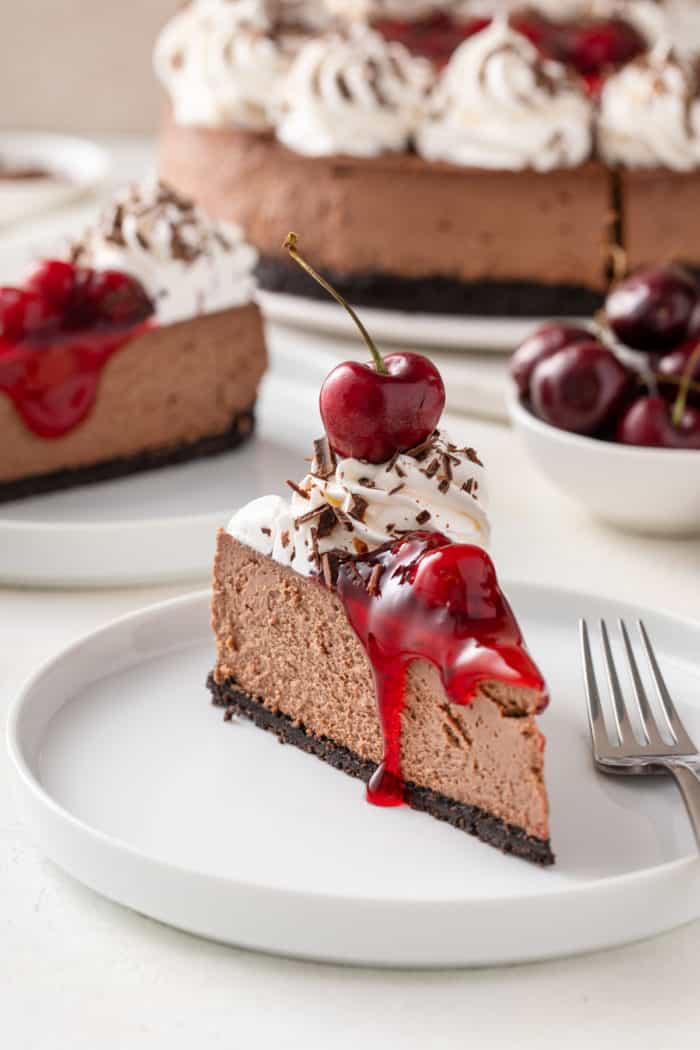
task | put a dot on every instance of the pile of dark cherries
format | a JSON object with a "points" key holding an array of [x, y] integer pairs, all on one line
{"points": [[634, 376]]}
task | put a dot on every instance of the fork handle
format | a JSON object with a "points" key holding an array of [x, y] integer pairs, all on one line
{"points": [[687, 776]]}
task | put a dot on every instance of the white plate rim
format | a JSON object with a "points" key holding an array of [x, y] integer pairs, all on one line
{"points": [[29, 782], [491, 335]]}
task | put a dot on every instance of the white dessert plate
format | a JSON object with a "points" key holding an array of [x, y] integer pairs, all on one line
{"points": [[440, 331], [77, 164], [130, 781], [160, 525]]}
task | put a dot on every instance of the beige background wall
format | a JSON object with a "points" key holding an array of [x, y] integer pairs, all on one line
{"points": [[79, 65]]}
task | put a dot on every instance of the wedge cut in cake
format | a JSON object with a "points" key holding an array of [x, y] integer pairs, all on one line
{"points": [[361, 619], [140, 348]]}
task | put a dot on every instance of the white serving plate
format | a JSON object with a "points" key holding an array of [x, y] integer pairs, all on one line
{"points": [[130, 781], [645, 490], [84, 164], [491, 334], [160, 525]]}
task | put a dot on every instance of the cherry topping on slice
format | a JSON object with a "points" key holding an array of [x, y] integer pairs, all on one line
{"points": [[54, 280], [579, 387], [24, 312], [546, 341], [371, 411], [649, 421], [118, 298], [652, 309]]}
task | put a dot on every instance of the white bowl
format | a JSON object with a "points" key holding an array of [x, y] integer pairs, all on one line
{"points": [[83, 165], [645, 490]]}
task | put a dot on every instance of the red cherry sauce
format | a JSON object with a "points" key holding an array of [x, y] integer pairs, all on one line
{"points": [[426, 598], [434, 37], [57, 332], [589, 46]]}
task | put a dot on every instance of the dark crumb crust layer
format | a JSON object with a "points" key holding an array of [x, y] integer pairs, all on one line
{"points": [[39, 484], [435, 295], [474, 821]]}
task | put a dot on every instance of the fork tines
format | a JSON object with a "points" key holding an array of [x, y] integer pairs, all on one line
{"points": [[626, 742]]}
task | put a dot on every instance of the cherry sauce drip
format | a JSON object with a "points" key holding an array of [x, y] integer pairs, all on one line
{"points": [[426, 598], [57, 332]]}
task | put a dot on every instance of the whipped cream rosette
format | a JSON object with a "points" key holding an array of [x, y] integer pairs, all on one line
{"points": [[500, 105], [650, 113], [224, 61], [187, 264], [350, 505], [352, 92]]}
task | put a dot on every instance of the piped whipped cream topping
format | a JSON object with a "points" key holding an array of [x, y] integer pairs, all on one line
{"points": [[650, 113], [499, 104], [354, 506], [187, 264], [352, 92], [224, 61]]}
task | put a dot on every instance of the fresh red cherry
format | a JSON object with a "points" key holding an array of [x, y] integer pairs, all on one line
{"points": [[54, 280], [373, 411], [649, 422], [371, 415], [546, 341], [579, 387], [652, 309], [24, 313]]}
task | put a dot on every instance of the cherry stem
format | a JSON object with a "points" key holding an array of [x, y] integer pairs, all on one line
{"points": [[684, 388], [291, 245]]}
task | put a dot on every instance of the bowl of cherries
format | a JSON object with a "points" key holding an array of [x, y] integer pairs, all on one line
{"points": [[610, 410]]}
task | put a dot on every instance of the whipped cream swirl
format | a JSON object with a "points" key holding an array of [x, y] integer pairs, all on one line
{"points": [[352, 93], [224, 61], [500, 105], [354, 506], [650, 113], [187, 264]]}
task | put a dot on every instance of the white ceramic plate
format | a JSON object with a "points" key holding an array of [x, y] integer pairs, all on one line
{"points": [[132, 783], [159, 525], [83, 164], [497, 334]]}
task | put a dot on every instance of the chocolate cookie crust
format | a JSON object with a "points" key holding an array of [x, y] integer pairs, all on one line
{"points": [[435, 295], [471, 819], [241, 428]]}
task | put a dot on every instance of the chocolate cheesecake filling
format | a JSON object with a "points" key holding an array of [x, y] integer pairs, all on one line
{"points": [[172, 393], [478, 765], [389, 227]]}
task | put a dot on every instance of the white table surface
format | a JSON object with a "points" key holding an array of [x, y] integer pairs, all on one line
{"points": [[79, 972]]}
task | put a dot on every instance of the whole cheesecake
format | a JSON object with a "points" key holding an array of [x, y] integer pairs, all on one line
{"points": [[141, 348], [439, 160]]}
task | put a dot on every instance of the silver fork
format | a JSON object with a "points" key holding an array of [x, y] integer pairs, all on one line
{"points": [[624, 752]]}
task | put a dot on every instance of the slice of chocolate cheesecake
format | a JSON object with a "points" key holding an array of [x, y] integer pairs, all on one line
{"points": [[141, 348], [362, 619], [289, 659]]}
